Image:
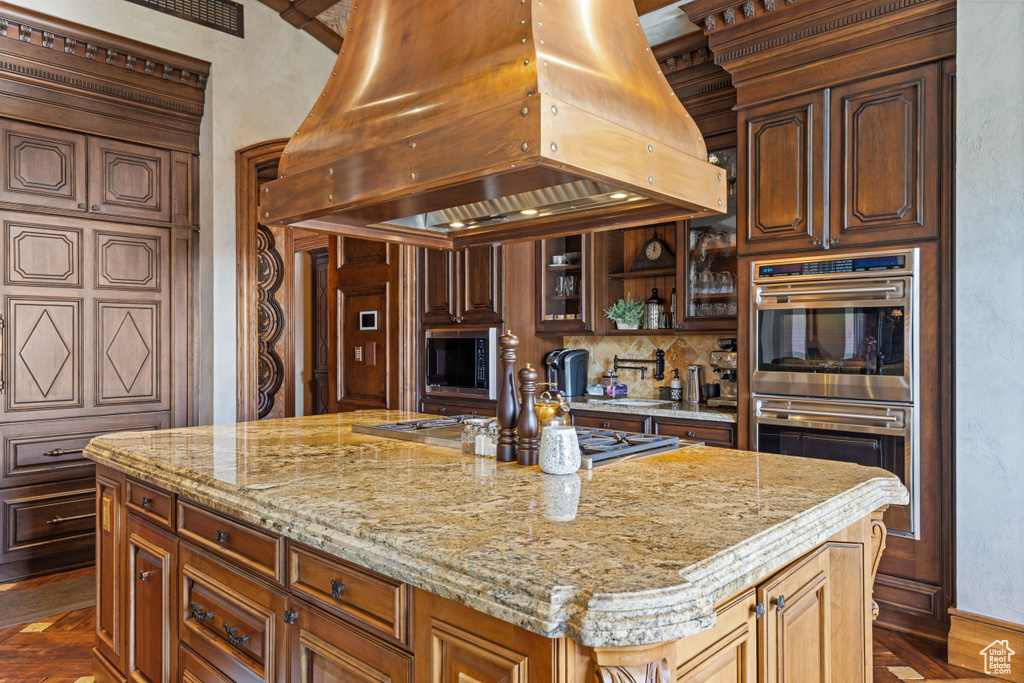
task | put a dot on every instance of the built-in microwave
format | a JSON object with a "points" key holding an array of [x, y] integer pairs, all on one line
{"points": [[461, 362]]}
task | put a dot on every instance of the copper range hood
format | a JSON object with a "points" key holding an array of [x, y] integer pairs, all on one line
{"points": [[453, 123]]}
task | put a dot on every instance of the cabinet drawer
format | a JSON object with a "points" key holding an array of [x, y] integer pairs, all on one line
{"points": [[442, 407], [721, 435], [258, 551], [610, 421], [47, 520], [324, 649], [377, 603], [41, 452], [232, 621], [193, 669], [152, 504]]}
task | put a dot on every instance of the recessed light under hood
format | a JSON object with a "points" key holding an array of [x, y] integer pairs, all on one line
{"points": [[453, 123]]}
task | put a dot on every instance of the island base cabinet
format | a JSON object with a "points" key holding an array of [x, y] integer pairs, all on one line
{"points": [[152, 620], [728, 652], [324, 650]]}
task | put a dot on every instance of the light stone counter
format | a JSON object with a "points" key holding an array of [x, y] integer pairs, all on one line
{"points": [[653, 544], [670, 409]]}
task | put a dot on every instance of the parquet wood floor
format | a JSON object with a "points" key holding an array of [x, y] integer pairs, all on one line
{"points": [[59, 649]]}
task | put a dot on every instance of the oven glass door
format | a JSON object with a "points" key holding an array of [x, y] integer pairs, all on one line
{"points": [[872, 435], [850, 340]]}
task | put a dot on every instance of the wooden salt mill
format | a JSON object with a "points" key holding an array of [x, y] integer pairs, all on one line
{"points": [[528, 448], [508, 400]]}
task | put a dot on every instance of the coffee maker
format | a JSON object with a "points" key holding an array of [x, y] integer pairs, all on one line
{"points": [[567, 370], [724, 362]]}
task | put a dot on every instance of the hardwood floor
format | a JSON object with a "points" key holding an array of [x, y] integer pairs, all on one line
{"points": [[58, 649]]}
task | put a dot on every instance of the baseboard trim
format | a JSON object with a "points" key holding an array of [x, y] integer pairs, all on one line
{"points": [[970, 633]]}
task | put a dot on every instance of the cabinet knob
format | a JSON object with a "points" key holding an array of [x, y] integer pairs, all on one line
{"points": [[147, 502], [81, 205], [221, 536], [95, 207], [606, 425], [780, 602], [758, 610], [459, 319], [453, 319], [144, 575], [336, 589], [442, 409], [290, 617], [816, 241], [690, 434], [586, 327], [472, 412], [834, 240]]}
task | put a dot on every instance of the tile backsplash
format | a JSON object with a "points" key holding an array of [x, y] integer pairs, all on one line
{"points": [[680, 351]]}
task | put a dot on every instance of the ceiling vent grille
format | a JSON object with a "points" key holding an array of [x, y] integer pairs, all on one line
{"points": [[223, 15]]}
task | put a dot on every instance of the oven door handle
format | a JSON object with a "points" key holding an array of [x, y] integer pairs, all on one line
{"points": [[793, 293], [891, 419]]}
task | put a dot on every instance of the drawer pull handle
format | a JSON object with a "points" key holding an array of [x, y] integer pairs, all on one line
{"points": [[57, 452], [60, 520], [780, 602], [196, 612], [221, 536], [144, 575], [290, 617], [237, 641], [147, 502], [336, 589]]}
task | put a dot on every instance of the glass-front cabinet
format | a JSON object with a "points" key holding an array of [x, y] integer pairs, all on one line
{"points": [[564, 285], [709, 271]]}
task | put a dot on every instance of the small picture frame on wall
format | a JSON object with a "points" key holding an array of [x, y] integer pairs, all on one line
{"points": [[367, 320]]}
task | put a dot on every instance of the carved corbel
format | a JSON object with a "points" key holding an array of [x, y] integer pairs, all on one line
{"points": [[878, 534], [635, 664]]}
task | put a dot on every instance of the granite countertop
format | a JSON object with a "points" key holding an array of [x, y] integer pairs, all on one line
{"points": [[671, 409], [634, 553]]}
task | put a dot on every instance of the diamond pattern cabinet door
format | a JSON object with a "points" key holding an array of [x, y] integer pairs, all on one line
{"points": [[42, 354], [129, 180], [42, 166], [128, 359]]}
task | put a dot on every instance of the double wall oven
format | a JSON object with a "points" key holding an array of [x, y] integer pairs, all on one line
{"points": [[834, 360]]}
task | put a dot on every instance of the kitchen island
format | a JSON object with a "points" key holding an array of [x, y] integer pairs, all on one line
{"points": [[291, 549]]}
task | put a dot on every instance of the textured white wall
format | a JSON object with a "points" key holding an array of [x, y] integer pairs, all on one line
{"points": [[990, 308], [260, 88]]}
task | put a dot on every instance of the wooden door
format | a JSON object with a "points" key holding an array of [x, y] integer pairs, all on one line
{"points": [[438, 283], [133, 181], [152, 615], [728, 652], [325, 650], [42, 166], [782, 202], [796, 639], [885, 158], [480, 285]]}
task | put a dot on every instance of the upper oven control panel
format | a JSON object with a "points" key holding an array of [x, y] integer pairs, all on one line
{"points": [[901, 262]]}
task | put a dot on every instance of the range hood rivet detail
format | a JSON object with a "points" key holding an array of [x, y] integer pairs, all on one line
{"points": [[330, 197], [526, 62], [330, 171], [412, 176], [266, 214], [525, 146], [413, 146], [525, 111]]}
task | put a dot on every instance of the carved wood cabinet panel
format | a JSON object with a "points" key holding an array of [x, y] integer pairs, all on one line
{"points": [[42, 166], [781, 166], [437, 275], [129, 180], [152, 602], [461, 287], [885, 151]]}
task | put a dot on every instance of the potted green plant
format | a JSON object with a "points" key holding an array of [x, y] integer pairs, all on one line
{"points": [[627, 313]]}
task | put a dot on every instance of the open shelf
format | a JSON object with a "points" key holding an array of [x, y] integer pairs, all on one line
{"points": [[638, 274], [565, 266]]}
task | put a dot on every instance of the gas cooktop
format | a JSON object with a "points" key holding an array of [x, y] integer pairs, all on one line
{"points": [[598, 447]]}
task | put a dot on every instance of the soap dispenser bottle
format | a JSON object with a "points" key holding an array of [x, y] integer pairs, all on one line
{"points": [[676, 386]]}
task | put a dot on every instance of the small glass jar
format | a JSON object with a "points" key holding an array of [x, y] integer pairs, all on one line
{"points": [[655, 306]]}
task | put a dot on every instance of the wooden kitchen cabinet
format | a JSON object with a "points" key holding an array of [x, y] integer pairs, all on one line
{"points": [[326, 650], [782, 175], [885, 151], [152, 603], [614, 421], [42, 166], [728, 652], [129, 180], [565, 291], [461, 287], [717, 434]]}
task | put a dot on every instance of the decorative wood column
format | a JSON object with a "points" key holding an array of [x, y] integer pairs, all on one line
{"points": [[635, 663], [878, 534]]}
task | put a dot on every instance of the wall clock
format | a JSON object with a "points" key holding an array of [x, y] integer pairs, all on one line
{"points": [[654, 255]]}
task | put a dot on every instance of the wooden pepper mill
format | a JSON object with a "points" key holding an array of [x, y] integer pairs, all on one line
{"points": [[528, 448], [508, 398]]}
